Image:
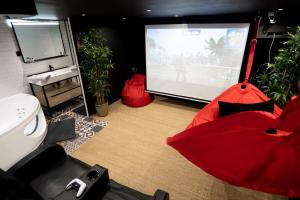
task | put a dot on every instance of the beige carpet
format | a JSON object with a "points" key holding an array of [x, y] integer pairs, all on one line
{"points": [[133, 148]]}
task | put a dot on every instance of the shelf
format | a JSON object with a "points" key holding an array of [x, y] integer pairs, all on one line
{"points": [[58, 95], [54, 91]]}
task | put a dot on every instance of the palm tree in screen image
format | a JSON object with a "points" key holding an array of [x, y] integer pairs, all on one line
{"points": [[216, 49]]}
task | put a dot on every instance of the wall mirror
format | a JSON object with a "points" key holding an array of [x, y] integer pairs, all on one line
{"points": [[39, 40]]}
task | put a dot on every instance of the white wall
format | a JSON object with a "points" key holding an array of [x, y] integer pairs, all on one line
{"points": [[11, 70]]}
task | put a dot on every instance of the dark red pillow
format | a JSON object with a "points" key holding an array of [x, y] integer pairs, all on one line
{"points": [[228, 108]]}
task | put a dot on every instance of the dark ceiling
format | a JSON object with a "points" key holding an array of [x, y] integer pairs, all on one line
{"points": [[160, 8]]}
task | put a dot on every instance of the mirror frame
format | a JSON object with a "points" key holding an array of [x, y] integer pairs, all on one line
{"points": [[20, 53]]}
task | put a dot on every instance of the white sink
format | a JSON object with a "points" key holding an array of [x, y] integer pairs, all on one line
{"points": [[53, 76]]}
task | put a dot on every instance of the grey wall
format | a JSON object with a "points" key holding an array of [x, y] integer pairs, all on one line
{"points": [[11, 70]]}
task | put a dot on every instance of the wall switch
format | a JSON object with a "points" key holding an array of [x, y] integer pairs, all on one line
{"points": [[19, 53]]}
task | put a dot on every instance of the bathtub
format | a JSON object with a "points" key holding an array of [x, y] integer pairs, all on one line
{"points": [[23, 127]]}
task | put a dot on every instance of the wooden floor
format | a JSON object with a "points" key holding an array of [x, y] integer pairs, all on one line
{"points": [[134, 150]]}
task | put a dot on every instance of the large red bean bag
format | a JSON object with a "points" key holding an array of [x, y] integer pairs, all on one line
{"points": [[134, 93], [252, 149]]}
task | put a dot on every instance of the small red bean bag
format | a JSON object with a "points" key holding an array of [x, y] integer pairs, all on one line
{"points": [[239, 93], [134, 93]]}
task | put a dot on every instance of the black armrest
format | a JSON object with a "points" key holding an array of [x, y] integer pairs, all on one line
{"points": [[37, 162], [96, 180], [121, 192], [161, 195], [11, 186]]}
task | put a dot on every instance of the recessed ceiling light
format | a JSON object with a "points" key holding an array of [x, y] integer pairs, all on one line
{"points": [[83, 15], [280, 9], [124, 18], [148, 10]]}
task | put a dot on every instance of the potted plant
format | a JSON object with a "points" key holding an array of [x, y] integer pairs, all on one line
{"points": [[279, 80], [95, 61]]}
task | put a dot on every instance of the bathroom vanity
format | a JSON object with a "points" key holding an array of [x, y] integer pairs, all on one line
{"points": [[55, 87]]}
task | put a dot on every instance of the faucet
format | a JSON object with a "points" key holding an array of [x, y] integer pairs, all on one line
{"points": [[51, 68]]}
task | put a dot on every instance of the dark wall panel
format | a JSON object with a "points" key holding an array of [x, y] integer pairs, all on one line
{"points": [[126, 39]]}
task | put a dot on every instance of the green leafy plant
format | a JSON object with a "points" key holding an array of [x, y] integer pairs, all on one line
{"points": [[96, 63], [279, 80]]}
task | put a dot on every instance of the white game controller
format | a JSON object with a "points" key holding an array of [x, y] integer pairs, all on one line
{"points": [[78, 185]]}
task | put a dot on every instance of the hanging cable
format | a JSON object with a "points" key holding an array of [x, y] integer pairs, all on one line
{"points": [[269, 61], [274, 35]]}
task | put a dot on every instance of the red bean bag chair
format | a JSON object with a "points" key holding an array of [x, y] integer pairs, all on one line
{"points": [[252, 149], [134, 93]]}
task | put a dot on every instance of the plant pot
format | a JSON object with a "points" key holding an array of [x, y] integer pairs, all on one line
{"points": [[102, 109]]}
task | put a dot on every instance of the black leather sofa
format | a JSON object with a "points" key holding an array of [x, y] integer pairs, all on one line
{"points": [[45, 173]]}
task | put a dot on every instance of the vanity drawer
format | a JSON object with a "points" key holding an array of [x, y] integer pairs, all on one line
{"points": [[58, 95], [62, 97]]}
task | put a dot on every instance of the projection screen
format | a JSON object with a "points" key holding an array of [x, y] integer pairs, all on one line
{"points": [[194, 61]]}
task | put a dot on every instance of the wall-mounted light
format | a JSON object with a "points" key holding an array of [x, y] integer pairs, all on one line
{"points": [[83, 14], [124, 18], [148, 10], [28, 22], [280, 9], [16, 20]]}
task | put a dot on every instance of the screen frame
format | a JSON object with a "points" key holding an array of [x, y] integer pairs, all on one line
{"points": [[244, 58]]}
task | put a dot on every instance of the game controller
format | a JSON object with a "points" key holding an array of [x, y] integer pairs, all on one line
{"points": [[78, 185]]}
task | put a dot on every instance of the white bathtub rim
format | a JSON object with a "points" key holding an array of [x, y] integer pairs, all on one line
{"points": [[33, 114]]}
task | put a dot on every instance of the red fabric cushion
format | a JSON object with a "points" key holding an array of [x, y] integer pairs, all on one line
{"points": [[237, 149], [138, 78], [133, 93], [290, 117]]}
